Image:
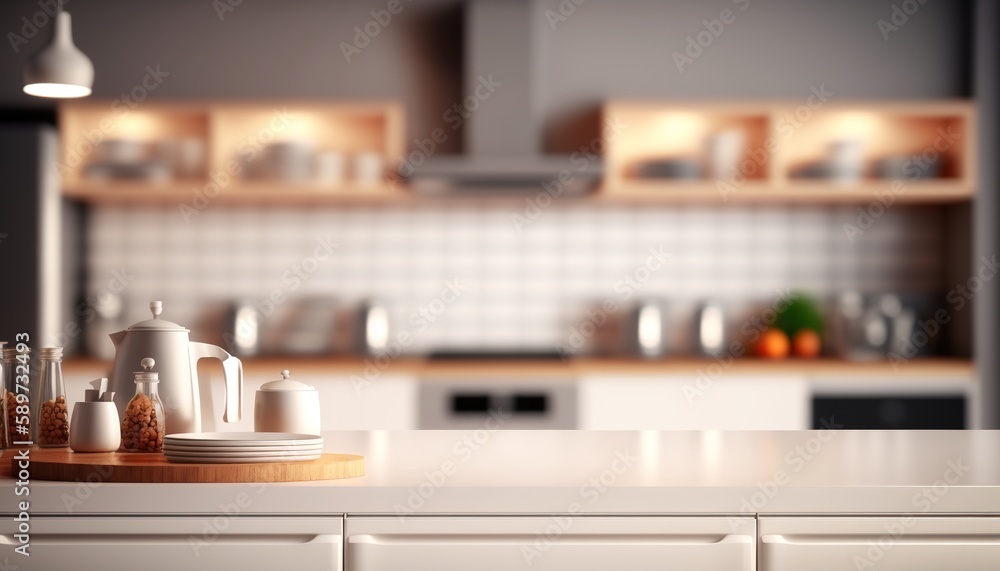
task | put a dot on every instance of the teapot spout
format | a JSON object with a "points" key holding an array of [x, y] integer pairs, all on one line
{"points": [[117, 337]]}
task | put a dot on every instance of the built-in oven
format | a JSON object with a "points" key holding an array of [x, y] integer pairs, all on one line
{"points": [[503, 398], [929, 403]]}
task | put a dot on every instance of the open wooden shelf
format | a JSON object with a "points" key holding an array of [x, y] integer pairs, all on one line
{"points": [[778, 144], [654, 130], [203, 143]]}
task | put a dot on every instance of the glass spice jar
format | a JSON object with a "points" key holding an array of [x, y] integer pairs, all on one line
{"points": [[16, 417], [5, 440], [52, 420], [144, 424]]}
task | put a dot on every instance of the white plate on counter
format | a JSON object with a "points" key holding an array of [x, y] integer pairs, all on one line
{"points": [[241, 454], [242, 460], [256, 450], [243, 439]]}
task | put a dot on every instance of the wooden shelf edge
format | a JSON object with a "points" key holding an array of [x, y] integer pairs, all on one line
{"points": [[472, 370], [708, 192], [667, 193]]}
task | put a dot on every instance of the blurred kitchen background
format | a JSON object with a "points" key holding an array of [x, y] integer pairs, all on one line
{"points": [[732, 214]]}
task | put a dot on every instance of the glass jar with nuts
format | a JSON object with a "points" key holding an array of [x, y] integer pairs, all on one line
{"points": [[144, 423], [52, 420], [16, 401]]}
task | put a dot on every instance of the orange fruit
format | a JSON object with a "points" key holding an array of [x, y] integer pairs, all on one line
{"points": [[773, 344], [807, 343]]}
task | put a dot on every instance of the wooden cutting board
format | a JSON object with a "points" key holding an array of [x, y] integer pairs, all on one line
{"points": [[67, 466]]}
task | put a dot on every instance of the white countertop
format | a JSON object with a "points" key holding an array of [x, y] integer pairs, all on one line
{"points": [[545, 472]]}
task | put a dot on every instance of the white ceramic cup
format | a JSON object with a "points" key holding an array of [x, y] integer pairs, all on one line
{"points": [[368, 168], [95, 427]]}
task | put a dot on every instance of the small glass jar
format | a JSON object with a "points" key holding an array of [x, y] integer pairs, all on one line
{"points": [[144, 424], [5, 441], [52, 421], [16, 415]]}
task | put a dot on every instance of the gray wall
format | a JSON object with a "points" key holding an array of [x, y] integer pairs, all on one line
{"points": [[606, 48], [773, 49], [987, 206], [261, 49]]}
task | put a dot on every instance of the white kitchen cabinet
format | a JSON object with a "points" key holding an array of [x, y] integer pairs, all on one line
{"points": [[904, 543], [694, 403], [558, 543], [210, 543]]}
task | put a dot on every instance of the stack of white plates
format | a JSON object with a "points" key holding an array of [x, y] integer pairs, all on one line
{"points": [[241, 447]]}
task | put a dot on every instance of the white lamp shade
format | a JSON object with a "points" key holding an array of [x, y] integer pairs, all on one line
{"points": [[60, 69]]}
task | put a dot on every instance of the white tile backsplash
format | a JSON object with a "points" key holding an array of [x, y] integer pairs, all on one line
{"points": [[523, 288]]}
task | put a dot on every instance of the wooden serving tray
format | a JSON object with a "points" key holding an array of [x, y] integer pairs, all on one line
{"points": [[64, 465]]}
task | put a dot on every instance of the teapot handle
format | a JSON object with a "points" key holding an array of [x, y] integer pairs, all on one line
{"points": [[233, 369]]}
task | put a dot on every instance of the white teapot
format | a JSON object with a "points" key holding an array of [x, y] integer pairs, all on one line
{"points": [[177, 363]]}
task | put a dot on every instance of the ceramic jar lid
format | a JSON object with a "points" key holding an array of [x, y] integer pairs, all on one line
{"points": [[286, 384]]}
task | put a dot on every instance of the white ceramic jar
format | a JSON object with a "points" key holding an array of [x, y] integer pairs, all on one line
{"points": [[286, 406], [94, 427]]}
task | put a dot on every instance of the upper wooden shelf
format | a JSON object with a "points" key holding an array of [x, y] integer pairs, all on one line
{"points": [[282, 151], [784, 152], [805, 151]]}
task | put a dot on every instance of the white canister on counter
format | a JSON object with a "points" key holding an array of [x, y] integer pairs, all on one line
{"points": [[286, 406]]}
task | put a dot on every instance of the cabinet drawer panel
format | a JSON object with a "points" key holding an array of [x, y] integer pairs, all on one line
{"points": [[904, 543], [550, 544], [167, 544]]}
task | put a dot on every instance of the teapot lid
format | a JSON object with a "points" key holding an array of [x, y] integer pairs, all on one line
{"points": [[156, 324], [286, 384]]}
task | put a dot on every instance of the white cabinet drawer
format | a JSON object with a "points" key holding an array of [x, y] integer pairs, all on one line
{"points": [[211, 543], [694, 403], [558, 543], [904, 543]]}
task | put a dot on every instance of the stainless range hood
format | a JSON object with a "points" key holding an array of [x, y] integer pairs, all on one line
{"points": [[500, 118]]}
